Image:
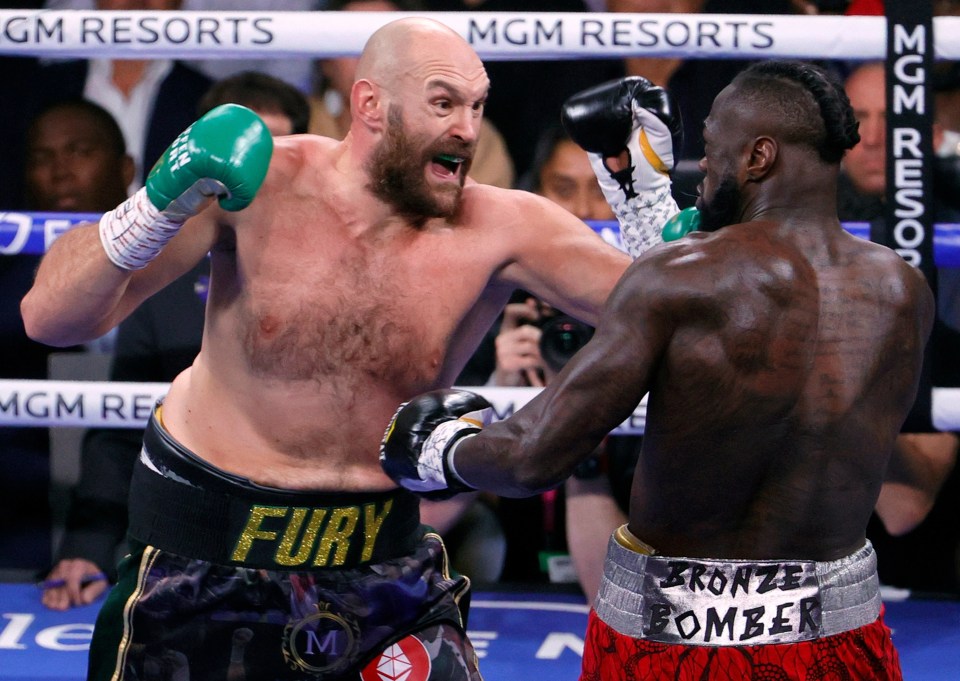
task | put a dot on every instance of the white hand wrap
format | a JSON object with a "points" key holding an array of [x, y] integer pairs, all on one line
{"points": [[135, 231], [640, 194], [430, 465], [642, 219]]}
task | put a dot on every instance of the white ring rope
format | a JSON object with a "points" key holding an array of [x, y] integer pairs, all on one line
{"points": [[104, 404], [494, 35]]}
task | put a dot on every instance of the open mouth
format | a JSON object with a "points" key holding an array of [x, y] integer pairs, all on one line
{"points": [[449, 163]]}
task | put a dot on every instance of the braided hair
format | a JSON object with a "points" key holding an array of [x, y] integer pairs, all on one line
{"points": [[791, 89]]}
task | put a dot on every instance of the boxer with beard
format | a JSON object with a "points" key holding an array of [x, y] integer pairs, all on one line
{"points": [[780, 356], [396, 177], [723, 208], [346, 277]]}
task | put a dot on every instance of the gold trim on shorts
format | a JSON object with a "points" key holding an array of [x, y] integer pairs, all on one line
{"points": [[629, 540]]}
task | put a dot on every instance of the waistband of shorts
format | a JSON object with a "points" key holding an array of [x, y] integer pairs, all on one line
{"points": [[695, 601], [182, 504]]}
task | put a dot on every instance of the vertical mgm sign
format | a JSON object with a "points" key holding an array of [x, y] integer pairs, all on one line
{"points": [[909, 219], [909, 213]]}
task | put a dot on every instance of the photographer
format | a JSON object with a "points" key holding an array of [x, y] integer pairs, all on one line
{"points": [[560, 536], [535, 341]]}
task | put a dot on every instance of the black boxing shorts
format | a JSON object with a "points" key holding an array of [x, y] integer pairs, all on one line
{"points": [[725, 620], [230, 579]]}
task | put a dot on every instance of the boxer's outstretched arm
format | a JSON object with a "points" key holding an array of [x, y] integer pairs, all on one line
{"points": [[94, 275], [541, 444], [562, 261], [79, 294], [448, 450]]}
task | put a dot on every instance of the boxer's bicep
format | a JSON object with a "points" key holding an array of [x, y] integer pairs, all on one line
{"points": [[597, 390], [565, 263]]}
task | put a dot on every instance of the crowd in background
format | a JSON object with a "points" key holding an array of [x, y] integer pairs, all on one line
{"points": [[80, 135]]}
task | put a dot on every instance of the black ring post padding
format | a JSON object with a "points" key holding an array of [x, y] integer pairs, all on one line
{"points": [[908, 227]]}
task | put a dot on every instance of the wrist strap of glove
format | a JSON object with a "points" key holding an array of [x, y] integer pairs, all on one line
{"points": [[642, 219], [434, 467], [134, 233]]}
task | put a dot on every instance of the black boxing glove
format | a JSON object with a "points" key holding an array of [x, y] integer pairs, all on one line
{"points": [[632, 115], [418, 445]]}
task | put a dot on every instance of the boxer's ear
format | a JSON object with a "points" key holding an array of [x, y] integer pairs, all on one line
{"points": [[366, 104], [763, 154]]}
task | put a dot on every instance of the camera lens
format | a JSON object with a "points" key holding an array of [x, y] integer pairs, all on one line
{"points": [[562, 336]]}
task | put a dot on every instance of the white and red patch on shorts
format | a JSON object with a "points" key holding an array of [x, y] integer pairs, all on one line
{"points": [[405, 660]]}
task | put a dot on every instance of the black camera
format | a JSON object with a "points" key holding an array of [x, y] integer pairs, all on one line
{"points": [[561, 337]]}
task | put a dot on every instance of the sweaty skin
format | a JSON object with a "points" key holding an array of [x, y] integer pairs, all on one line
{"points": [[328, 306], [780, 353]]}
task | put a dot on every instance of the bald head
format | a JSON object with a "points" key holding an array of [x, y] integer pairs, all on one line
{"points": [[405, 46], [417, 64]]}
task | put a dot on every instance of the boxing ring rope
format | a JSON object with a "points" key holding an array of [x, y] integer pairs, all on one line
{"points": [[31, 233], [494, 35], [104, 404]]}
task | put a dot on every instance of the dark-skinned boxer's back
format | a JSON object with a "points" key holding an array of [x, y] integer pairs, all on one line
{"points": [[779, 355]]}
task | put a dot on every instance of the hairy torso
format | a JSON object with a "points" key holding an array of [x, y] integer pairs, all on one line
{"points": [[319, 324]]}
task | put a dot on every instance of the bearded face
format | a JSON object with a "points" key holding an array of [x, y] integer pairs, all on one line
{"points": [[398, 170], [722, 208]]}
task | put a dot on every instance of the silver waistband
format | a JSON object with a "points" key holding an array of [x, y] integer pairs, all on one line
{"points": [[736, 602]]}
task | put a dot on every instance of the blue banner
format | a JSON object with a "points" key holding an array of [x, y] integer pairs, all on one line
{"points": [[518, 634], [32, 233]]}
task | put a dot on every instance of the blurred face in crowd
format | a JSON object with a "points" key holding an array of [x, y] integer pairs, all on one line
{"points": [[277, 122], [865, 164], [339, 71], [73, 164], [568, 180]]}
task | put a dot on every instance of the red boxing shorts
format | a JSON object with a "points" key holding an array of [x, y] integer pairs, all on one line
{"points": [[659, 617], [865, 654]]}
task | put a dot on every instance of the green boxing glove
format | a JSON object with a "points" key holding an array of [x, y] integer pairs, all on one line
{"points": [[681, 224], [226, 154]]}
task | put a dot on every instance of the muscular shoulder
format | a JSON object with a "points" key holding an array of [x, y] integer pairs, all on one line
{"points": [[701, 264], [513, 211], [701, 276], [487, 198], [294, 154], [901, 285], [891, 268]]}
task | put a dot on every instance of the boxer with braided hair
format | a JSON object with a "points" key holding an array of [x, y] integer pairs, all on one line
{"points": [[771, 82], [780, 356]]}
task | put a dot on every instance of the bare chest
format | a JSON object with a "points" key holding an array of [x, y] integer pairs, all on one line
{"points": [[327, 308]]}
